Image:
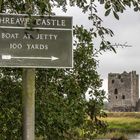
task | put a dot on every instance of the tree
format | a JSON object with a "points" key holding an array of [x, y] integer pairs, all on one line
{"points": [[62, 111]]}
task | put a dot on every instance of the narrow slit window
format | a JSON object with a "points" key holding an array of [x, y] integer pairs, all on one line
{"points": [[123, 97], [119, 76], [116, 91], [113, 81]]}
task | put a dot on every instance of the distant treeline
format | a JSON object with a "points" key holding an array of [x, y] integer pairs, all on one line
{"points": [[124, 114]]}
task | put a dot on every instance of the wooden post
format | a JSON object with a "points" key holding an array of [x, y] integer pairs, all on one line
{"points": [[28, 101]]}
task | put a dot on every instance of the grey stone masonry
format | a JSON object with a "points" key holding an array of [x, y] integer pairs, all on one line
{"points": [[123, 91]]}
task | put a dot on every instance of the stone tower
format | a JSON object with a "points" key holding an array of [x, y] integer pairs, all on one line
{"points": [[123, 91]]}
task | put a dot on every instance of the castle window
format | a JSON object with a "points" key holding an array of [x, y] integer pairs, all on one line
{"points": [[123, 96], [116, 97], [119, 76], [116, 91], [113, 81]]}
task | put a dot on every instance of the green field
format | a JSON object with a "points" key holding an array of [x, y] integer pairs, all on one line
{"points": [[124, 121], [121, 123]]}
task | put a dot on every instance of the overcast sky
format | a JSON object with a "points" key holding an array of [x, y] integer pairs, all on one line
{"points": [[127, 31]]}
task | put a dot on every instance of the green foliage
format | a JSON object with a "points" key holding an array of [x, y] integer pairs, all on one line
{"points": [[117, 6], [10, 104], [57, 108], [46, 6], [61, 105], [62, 95]]}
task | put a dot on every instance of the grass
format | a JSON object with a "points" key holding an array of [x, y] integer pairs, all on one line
{"points": [[121, 123], [111, 135]]}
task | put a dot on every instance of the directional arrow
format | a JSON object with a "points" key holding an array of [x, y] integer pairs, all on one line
{"points": [[8, 57]]}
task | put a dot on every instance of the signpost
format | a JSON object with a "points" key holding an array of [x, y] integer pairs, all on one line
{"points": [[36, 42], [40, 42]]}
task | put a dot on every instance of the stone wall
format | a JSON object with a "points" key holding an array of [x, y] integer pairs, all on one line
{"points": [[123, 91]]}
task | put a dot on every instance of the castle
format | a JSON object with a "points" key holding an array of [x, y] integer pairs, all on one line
{"points": [[123, 92]]}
